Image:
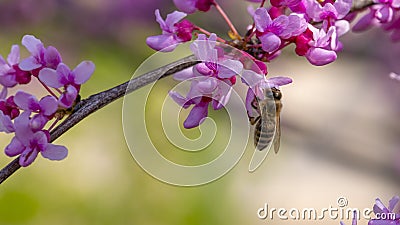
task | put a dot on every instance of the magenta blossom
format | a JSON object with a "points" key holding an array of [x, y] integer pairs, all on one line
{"points": [[383, 12], [28, 143], [10, 73], [323, 47], [190, 6], [328, 12], [44, 108], [212, 80], [70, 80], [173, 32], [40, 56], [271, 32], [388, 215]]}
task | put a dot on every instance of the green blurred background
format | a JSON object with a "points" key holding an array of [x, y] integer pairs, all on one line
{"points": [[339, 123]]}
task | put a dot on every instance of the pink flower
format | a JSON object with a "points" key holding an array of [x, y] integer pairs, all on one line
{"points": [[270, 32], [10, 73], [212, 80], [44, 108], [190, 6], [40, 56], [28, 143], [173, 32], [70, 80]]}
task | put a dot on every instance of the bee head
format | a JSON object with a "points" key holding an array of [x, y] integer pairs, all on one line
{"points": [[276, 93]]}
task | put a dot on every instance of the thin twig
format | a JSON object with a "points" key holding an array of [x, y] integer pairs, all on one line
{"points": [[97, 101]]}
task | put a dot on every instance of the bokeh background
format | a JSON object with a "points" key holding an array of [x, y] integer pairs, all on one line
{"points": [[339, 127]]}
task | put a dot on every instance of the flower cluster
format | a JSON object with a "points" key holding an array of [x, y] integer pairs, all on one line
{"points": [[312, 26], [24, 115]]}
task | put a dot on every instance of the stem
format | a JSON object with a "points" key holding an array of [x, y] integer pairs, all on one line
{"points": [[97, 101], [226, 18], [53, 124], [48, 89], [209, 33]]}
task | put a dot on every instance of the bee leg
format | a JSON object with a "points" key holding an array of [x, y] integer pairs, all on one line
{"points": [[253, 120]]}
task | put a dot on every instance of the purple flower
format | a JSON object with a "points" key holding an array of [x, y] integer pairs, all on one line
{"points": [[40, 56], [328, 12], [44, 108], [294, 5], [70, 80], [323, 46], [383, 12], [270, 32], [173, 32], [10, 73], [190, 6], [387, 216], [212, 80], [28, 143]]}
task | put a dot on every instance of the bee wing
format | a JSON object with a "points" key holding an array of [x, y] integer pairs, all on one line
{"points": [[258, 157], [263, 145], [277, 137]]}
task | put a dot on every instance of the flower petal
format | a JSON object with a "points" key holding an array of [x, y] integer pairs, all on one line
{"points": [[393, 202], [29, 64], [196, 115], [54, 152], [13, 57], [68, 97], [320, 57], [278, 81], [22, 129], [48, 105], [50, 77], [364, 23], [179, 99], [184, 74], [26, 101], [262, 19], [6, 124], [230, 68], [83, 72], [27, 157], [52, 57], [187, 6], [270, 42], [14, 148], [31, 43], [342, 7], [163, 43], [174, 18]]}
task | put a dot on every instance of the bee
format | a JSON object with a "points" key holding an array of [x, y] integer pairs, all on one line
{"points": [[267, 125]]}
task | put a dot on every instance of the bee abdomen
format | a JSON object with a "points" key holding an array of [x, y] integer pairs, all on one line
{"points": [[263, 135]]}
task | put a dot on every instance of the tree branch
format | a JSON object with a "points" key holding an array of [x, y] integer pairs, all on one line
{"points": [[97, 101]]}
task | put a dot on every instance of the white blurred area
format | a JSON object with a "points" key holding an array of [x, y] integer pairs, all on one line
{"points": [[339, 138]]}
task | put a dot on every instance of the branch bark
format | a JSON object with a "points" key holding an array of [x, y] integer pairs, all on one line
{"points": [[97, 101]]}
